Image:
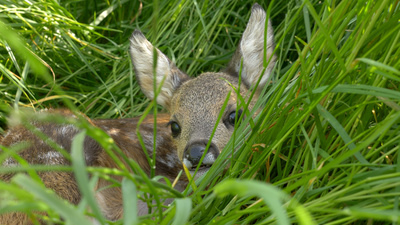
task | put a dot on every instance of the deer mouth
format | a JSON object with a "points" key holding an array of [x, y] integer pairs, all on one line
{"points": [[203, 168]]}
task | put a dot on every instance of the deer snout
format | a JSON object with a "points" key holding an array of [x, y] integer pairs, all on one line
{"points": [[195, 151]]}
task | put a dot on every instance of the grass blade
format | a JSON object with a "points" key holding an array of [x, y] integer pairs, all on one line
{"points": [[129, 193], [183, 209], [82, 177]]}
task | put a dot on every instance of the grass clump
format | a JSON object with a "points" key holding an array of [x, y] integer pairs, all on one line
{"points": [[324, 148]]}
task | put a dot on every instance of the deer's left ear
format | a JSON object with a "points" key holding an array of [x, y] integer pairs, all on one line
{"points": [[142, 54], [251, 49]]}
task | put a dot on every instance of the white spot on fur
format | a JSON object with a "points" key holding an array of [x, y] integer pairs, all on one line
{"points": [[66, 129], [10, 162], [16, 137], [51, 157], [113, 131]]}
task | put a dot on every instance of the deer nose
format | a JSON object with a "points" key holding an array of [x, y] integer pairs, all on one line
{"points": [[195, 151]]}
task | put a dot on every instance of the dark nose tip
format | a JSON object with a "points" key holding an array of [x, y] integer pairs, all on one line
{"points": [[195, 151]]}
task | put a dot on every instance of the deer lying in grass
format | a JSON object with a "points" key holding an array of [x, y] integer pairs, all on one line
{"points": [[183, 134], [64, 184]]}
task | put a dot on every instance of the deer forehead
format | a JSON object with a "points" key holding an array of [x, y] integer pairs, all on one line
{"points": [[205, 93]]}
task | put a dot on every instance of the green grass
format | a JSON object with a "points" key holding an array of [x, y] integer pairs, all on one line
{"points": [[324, 148]]}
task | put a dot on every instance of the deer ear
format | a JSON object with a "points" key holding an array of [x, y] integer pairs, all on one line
{"points": [[142, 53], [251, 49]]}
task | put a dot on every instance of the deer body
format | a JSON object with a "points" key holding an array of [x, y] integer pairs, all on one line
{"points": [[182, 135], [123, 132]]}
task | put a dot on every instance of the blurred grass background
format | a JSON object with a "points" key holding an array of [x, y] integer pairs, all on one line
{"points": [[325, 147]]}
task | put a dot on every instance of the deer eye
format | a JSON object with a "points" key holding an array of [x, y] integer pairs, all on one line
{"points": [[175, 129], [232, 116]]}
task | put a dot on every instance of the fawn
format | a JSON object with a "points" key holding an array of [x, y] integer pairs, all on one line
{"points": [[182, 135]]}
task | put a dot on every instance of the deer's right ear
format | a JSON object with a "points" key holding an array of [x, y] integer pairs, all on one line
{"points": [[251, 50], [141, 51]]}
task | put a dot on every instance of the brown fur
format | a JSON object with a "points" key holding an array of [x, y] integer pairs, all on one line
{"points": [[123, 131]]}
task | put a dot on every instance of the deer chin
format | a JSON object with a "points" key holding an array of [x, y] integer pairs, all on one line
{"points": [[200, 172]]}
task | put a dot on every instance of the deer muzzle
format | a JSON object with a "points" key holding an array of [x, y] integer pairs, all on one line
{"points": [[193, 153]]}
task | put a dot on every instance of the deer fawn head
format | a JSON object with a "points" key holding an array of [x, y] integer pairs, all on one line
{"points": [[195, 104]]}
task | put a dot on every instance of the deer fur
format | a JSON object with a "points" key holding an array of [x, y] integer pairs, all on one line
{"points": [[64, 184], [193, 106]]}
